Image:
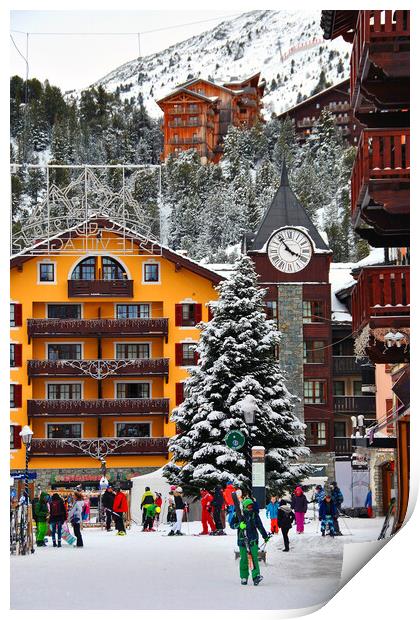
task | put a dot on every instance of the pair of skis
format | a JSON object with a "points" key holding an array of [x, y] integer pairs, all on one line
{"points": [[242, 533]]}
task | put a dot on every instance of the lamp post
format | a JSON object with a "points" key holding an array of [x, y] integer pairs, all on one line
{"points": [[249, 406], [26, 436]]}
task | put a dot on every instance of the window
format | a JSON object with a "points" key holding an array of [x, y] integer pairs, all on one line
{"points": [[193, 107], [15, 438], [15, 315], [15, 355], [85, 270], [340, 429], [188, 354], [133, 311], [179, 393], [187, 315], [64, 351], [64, 431], [339, 388], [194, 120], [271, 310], [314, 351], [242, 110], [316, 434], [15, 395], [64, 311], [357, 388], [133, 429], [64, 391], [112, 270], [176, 138], [129, 351], [151, 272], [46, 272], [344, 347], [314, 392], [133, 390], [313, 311]]}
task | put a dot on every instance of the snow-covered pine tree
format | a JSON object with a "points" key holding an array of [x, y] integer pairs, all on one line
{"points": [[237, 367]]}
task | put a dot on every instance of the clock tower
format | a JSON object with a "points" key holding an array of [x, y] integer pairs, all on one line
{"points": [[293, 262]]}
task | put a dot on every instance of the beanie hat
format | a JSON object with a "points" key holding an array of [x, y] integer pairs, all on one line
{"points": [[178, 489], [173, 487], [247, 502]]}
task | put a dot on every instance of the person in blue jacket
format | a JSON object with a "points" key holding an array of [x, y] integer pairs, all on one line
{"points": [[368, 503], [319, 494], [338, 499], [248, 530], [327, 513], [272, 511]]}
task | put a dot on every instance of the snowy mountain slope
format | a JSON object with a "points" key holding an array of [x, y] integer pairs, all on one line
{"points": [[285, 46]]}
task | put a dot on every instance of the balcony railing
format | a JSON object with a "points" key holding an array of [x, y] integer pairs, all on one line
{"points": [[99, 369], [184, 141], [135, 446], [383, 155], [175, 124], [381, 297], [346, 365], [374, 26], [100, 288], [355, 404], [98, 407], [343, 446], [183, 110], [97, 327]]}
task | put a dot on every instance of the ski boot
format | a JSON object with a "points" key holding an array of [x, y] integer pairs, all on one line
{"points": [[323, 533], [244, 581], [171, 533], [59, 543], [179, 534], [54, 543], [258, 580]]}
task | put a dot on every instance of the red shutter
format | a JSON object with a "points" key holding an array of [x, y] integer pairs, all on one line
{"points": [[197, 313], [196, 357], [178, 354], [178, 315], [17, 439], [211, 315], [18, 355], [18, 395], [18, 315], [179, 393]]}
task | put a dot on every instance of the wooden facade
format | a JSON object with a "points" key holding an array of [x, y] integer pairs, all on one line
{"points": [[197, 114]]}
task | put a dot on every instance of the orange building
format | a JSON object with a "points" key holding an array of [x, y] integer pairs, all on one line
{"points": [[197, 114], [102, 337]]}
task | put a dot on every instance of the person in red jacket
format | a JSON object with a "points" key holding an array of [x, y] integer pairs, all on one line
{"points": [[227, 494], [119, 508], [206, 518]]}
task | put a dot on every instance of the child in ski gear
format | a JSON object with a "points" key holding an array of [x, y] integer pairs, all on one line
{"points": [[150, 515], [248, 541], [179, 511], [108, 504], [120, 507], [171, 518], [300, 506], [319, 494], [206, 518], [147, 498], [285, 519], [338, 499], [75, 517], [41, 512], [86, 510], [271, 511], [158, 502], [327, 512], [217, 503], [58, 515], [368, 503]]}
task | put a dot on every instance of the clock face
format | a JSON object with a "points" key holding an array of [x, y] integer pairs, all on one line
{"points": [[289, 250]]}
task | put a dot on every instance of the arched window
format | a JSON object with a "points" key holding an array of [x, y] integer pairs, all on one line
{"points": [[95, 267], [112, 270], [85, 270]]}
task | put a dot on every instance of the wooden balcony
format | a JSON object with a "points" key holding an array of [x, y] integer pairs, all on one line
{"points": [[136, 446], [104, 328], [185, 141], [99, 369], [355, 404], [380, 60], [100, 288], [98, 407], [343, 446], [380, 182], [185, 123], [346, 365]]}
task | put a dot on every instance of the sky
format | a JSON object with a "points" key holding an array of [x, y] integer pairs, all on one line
{"points": [[76, 61]]}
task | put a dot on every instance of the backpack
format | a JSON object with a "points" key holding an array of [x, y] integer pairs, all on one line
{"points": [[56, 508]]}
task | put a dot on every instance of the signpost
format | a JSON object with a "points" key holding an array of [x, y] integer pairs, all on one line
{"points": [[235, 440]]}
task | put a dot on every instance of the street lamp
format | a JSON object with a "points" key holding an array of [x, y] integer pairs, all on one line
{"points": [[248, 406], [26, 436]]}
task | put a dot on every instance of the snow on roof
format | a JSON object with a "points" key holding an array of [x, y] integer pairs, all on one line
{"points": [[340, 278], [375, 257], [223, 269]]}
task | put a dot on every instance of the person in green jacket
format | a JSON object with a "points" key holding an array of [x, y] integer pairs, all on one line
{"points": [[148, 498], [248, 529], [41, 513], [150, 515]]}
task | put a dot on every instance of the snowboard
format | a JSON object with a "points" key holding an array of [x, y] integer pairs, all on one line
{"points": [[67, 535]]}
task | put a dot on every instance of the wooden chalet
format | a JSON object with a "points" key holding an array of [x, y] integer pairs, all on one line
{"points": [[198, 112]]}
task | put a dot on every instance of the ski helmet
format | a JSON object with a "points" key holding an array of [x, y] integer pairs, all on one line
{"points": [[247, 502]]}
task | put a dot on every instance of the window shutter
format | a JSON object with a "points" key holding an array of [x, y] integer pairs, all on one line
{"points": [[179, 393], [197, 313], [211, 315], [178, 354], [18, 355], [18, 315], [18, 395], [178, 315], [196, 357], [17, 439]]}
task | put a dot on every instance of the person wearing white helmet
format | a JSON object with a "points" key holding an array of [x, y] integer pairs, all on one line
{"points": [[179, 511]]}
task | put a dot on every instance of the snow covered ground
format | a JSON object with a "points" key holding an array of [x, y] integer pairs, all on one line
{"points": [[151, 571]]}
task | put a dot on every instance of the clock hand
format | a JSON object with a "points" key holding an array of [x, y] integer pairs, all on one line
{"points": [[288, 249]]}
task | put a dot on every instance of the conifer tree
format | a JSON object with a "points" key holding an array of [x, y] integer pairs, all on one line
{"points": [[237, 369]]}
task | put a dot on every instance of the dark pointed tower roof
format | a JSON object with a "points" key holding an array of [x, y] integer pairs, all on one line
{"points": [[285, 210]]}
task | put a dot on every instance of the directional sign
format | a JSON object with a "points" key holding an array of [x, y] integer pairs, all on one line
{"points": [[32, 475], [235, 440]]}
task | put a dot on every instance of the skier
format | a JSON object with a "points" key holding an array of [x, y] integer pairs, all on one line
{"points": [[327, 512], [319, 494], [120, 507], [206, 518], [368, 503], [248, 538], [148, 498], [41, 512], [338, 499], [179, 510], [271, 511], [158, 502], [217, 504], [58, 515], [227, 495], [300, 506], [108, 497], [285, 519], [75, 517], [171, 518], [150, 515]]}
